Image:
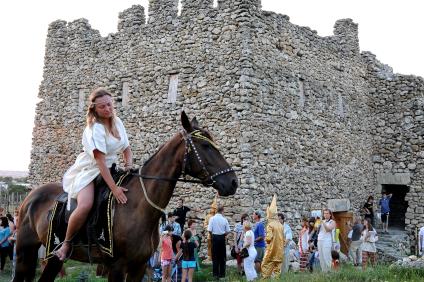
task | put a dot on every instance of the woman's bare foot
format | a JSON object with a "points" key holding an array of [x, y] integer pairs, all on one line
{"points": [[63, 252]]}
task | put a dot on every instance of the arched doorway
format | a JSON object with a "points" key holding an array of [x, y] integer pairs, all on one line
{"points": [[398, 204]]}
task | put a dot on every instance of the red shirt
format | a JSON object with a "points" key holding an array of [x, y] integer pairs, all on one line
{"points": [[167, 252]]}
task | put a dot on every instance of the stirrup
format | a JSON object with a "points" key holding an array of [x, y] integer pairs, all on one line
{"points": [[68, 255]]}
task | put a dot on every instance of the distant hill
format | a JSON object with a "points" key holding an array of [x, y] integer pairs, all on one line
{"points": [[13, 174]]}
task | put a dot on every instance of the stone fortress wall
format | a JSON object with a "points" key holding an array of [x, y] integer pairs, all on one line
{"points": [[307, 117]]}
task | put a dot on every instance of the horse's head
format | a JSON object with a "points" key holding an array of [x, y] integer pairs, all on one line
{"points": [[204, 161]]}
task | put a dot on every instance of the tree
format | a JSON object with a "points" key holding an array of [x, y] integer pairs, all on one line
{"points": [[19, 189]]}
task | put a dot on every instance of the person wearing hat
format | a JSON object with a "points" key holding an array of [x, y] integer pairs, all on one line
{"points": [[274, 238]]}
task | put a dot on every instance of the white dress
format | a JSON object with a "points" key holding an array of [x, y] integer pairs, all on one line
{"points": [[85, 168], [249, 262]]}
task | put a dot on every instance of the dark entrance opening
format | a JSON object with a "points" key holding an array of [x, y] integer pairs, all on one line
{"points": [[398, 205]]}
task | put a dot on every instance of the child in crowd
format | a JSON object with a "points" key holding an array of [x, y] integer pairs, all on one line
{"points": [[189, 260], [369, 250], [312, 241], [166, 253]]}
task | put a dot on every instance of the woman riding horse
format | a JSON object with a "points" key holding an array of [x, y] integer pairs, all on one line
{"points": [[103, 138], [135, 224]]}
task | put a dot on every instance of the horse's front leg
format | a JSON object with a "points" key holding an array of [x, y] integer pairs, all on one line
{"points": [[26, 255], [136, 274], [53, 267], [117, 272]]}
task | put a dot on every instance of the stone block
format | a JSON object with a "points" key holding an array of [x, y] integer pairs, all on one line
{"points": [[338, 205]]}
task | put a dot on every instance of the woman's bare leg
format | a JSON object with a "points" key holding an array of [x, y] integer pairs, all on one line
{"points": [[184, 274], [190, 274], [78, 217], [165, 270]]}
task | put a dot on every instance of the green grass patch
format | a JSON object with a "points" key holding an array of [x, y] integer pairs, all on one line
{"points": [[77, 270], [346, 273]]}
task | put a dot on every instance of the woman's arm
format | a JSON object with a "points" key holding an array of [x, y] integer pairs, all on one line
{"points": [[118, 192], [247, 242], [329, 226], [128, 157], [179, 250]]}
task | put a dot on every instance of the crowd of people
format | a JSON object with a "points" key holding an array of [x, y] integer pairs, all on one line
{"points": [[178, 248], [8, 231], [265, 247]]}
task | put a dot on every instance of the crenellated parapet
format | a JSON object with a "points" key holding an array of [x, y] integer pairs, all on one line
{"points": [[194, 6], [132, 19], [162, 11], [57, 35], [346, 32], [250, 4]]}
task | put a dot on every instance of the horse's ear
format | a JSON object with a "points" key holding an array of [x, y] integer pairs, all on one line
{"points": [[186, 122], [194, 122]]}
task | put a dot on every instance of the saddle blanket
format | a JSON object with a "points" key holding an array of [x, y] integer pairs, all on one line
{"points": [[96, 232]]}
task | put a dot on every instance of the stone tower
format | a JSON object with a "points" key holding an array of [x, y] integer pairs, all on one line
{"points": [[305, 117]]}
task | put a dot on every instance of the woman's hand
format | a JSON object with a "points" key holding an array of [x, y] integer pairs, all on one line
{"points": [[118, 193]]}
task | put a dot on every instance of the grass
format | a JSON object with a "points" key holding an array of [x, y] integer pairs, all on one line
{"points": [[77, 270], [346, 273]]}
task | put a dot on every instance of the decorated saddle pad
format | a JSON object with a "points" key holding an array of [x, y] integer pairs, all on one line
{"points": [[97, 231]]}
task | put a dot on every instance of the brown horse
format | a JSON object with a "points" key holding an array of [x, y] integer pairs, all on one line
{"points": [[135, 224]]}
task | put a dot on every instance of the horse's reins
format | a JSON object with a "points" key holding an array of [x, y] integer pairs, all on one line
{"points": [[208, 180]]}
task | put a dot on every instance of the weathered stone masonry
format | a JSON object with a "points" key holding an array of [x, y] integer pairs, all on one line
{"points": [[307, 117]]}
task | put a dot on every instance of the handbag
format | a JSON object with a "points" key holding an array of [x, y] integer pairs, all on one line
{"points": [[233, 252], [244, 253]]}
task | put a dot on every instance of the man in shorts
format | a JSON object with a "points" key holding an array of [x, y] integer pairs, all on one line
{"points": [[259, 232], [385, 211]]}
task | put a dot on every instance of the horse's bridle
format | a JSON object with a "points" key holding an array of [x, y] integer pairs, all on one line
{"points": [[206, 178]]}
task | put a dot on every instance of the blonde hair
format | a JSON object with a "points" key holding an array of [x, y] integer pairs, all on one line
{"points": [[247, 225], [92, 115]]}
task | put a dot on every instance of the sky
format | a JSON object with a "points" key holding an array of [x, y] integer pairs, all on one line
{"points": [[390, 29]]}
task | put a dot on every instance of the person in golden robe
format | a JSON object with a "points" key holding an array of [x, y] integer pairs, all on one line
{"points": [[211, 213], [274, 252]]}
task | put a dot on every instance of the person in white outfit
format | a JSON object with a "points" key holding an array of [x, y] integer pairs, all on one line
{"points": [[248, 242], [325, 240], [103, 139], [421, 241]]}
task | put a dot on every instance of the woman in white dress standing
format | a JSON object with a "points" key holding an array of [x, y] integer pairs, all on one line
{"points": [[325, 240], [103, 139], [248, 242]]}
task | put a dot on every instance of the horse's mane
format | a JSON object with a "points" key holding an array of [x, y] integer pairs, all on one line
{"points": [[153, 155], [204, 131]]}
